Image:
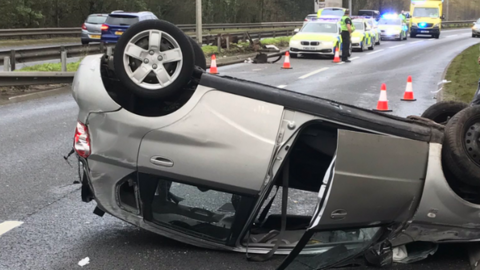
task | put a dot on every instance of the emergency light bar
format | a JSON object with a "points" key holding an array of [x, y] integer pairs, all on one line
{"points": [[329, 18], [390, 16]]}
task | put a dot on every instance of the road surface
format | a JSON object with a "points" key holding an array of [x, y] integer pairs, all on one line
{"points": [[59, 230]]}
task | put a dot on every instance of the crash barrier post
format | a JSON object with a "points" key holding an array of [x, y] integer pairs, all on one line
{"points": [[12, 60], [63, 58], [286, 63], [408, 95], [6, 64], [336, 59], [213, 65], [382, 104]]}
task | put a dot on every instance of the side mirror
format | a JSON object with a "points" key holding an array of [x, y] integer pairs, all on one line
{"points": [[442, 17], [296, 30]]}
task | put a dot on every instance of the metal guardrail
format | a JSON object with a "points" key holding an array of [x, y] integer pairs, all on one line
{"points": [[36, 78], [76, 31], [32, 78], [54, 52]]}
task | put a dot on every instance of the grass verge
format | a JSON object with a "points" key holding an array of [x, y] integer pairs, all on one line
{"points": [[463, 72], [235, 49]]}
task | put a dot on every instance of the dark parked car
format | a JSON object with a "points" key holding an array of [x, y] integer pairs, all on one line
{"points": [[118, 22], [91, 28]]}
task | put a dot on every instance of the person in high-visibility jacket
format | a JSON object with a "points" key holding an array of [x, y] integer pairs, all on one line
{"points": [[347, 29], [404, 19]]}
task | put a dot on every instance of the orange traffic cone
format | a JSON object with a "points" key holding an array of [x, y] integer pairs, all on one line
{"points": [[408, 96], [382, 105], [336, 59], [286, 64], [213, 65]]}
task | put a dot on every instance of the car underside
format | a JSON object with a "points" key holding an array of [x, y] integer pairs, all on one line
{"points": [[221, 163]]}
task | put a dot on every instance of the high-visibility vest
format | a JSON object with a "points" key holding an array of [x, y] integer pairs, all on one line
{"points": [[343, 24]]}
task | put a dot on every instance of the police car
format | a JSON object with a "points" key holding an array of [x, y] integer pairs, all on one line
{"points": [[373, 24], [392, 27], [363, 37], [319, 37]]}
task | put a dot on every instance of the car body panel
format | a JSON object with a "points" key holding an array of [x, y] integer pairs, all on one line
{"points": [[476, 28], [119, 22], [392, 28], [352, 175], [362, 37], [243, 140], [322, 43], [442, 216]]}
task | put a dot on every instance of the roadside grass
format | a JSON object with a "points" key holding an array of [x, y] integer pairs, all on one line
{"points": [[464, 73], [52, 67], [235, 49]]}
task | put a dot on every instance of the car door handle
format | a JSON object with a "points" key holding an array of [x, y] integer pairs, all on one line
{"points": [[161, 161]]}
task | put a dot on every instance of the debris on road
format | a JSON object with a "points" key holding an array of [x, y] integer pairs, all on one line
{"points": [[84, 261]]}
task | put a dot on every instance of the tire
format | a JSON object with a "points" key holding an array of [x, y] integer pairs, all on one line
{"points": [[440, 112], [372, 47], [461, 147], [175, 75], [379, 41], [200, 60], [412, 35], [437, 36]]}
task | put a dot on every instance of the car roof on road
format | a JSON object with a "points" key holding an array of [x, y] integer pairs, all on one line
{"points": [[134, 14]]}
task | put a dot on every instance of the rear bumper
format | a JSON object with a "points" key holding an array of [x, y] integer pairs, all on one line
{"points": [[90, 36]]}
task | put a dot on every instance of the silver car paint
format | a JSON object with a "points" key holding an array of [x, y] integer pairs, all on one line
{"points": [[442, 215], [88, 90], [381, 176], [225, 141], [116, 135]]}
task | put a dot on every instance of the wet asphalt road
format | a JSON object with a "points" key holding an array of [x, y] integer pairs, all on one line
{"points": [[59, 230]]}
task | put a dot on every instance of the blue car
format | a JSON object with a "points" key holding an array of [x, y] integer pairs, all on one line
{"points": [[118, 22]]}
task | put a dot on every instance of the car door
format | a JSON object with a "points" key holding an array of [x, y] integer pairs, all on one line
{"points": [[210, 161], [373, 185]]}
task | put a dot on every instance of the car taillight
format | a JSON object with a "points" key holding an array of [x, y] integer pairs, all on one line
{"points": [[84, 27], [104, 27], [82, 140]]}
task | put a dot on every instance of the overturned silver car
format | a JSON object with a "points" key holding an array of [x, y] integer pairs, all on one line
{"points": [[200, 158]]}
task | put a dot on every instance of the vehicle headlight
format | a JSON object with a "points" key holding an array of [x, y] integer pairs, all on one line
{"points": [[415, 24], [294, 43], [436, 25]]}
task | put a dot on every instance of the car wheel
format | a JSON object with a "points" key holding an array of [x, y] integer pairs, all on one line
{"points": [[442, 111], [371, 48], [200, 60], [405, 37], [379, 41], [472, 36], [154, 59], [461, 147], [412, 35], [437, 36]]}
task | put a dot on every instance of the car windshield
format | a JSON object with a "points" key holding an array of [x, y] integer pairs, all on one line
{"points": [[334, 12], [96, 19], [121, 20], [359, 25], [426, 12], [320, 28], [384, 21]]}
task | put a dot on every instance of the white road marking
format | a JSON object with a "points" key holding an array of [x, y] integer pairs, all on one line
{"points": [[282, 86], [341, 63], [417, 41], [375, 51], [313, 73], [397, 46], [354, 58], [8, 225], [451, 36]]}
